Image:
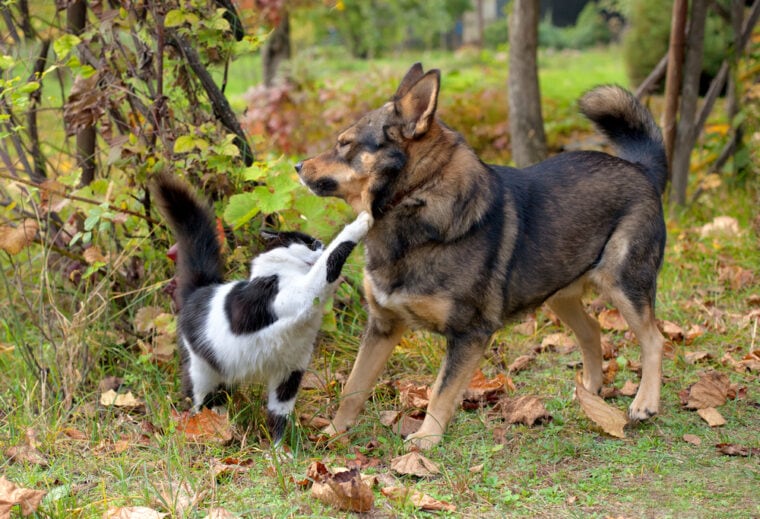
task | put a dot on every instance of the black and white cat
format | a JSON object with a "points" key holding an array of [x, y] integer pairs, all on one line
{"points": [[262, 329]]}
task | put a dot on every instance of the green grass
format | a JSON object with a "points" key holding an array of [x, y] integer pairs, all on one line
{"points": [[565, 468]]}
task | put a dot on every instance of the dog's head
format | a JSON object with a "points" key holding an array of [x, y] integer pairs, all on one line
{"points": [[369, 157]]}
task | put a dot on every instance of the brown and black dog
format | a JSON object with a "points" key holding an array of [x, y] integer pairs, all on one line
{"points": [[459, 247]]}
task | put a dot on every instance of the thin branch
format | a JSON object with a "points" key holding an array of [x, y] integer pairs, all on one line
{"points": [[38, 173]]}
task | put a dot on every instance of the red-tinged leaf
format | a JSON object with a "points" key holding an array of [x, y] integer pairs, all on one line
{"points": [[610, 319], [527, 410], [711, 416], [711, 390], [482, 389], [414, 464], [204, 426], [417, 499], [732, 449], [27, 499], [610, 419]]}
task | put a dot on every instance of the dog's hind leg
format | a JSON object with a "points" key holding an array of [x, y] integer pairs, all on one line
{"points": [[376, 347], [568, 306], [641, 320], [463, 355]]}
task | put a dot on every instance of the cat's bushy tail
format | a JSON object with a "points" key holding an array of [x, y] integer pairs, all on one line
{"points": [[199, 260]]}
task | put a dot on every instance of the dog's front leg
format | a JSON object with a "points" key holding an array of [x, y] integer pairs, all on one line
{"points": [[463, 355], [381, 336]]}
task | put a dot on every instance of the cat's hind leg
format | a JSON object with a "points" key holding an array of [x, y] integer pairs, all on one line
{"points": [[281, 400], [205, 382]]}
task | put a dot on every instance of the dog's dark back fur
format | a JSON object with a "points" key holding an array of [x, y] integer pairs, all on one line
{"points": [[459, 246]]}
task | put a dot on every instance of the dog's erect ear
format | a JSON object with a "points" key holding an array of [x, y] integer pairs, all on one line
{"points": [[412, 76], [417, 106]]}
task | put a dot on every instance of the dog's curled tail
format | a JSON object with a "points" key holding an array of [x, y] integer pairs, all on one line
{"points": [[630, 126], [199, 259]]}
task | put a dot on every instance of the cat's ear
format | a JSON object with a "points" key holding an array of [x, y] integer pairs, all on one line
{"points": [[269, 235]]}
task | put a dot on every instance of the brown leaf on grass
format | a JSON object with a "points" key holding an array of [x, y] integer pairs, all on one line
{"points": [[692, 357], [720, 226], [751, 361], [711, 416], [219, 513], [611, 319], [753, 300], [693, 439], [388, 418], [731, 449], [694, 332], [133, 512], [736, 277], [527, 410], [610, 419], [11, 495], [15, 239], [313, 421], [345, 491], [609, 350], [74, 434], [418, 499], [520, 363], [414, 464], [93, 255], [559, 342], [482, 389], [229, 467], [527, 327], [413, 395], [123, 400], [406, 425], [609, 370], [152, 318], [26, 454], [630, 388], [711, 390], [160, 349], [180, 497], [671, 330], [204, 426]]}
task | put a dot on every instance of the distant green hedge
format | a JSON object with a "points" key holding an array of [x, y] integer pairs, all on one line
{"points": [[647, 37]]}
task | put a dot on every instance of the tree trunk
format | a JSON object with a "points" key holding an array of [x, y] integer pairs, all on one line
{"points": [[76, 19], [526, 124], [685, 130], [276, 49], [673, 78]]}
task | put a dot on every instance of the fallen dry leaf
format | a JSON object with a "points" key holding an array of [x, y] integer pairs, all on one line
{"points": [[413, 395], [720, 226], [671, 330], [527, 327], [482, 389], [126, 400], [527, 410], [694, 332], [736, 277], [692, 357], [609, 370], [15, 239], [610, 319], [520, 363], [751, 361], [414, 464], [711, 390], [693, 439], [204, 426], [418, 499], [711, 416], [388, 418], [133, 512], [731, 449], [345, 491], [559, 342], [180, 497], [220, 513], [406, 425], [630, 388], [230, 467], [610, 419], [11, 495], [27, 451]]}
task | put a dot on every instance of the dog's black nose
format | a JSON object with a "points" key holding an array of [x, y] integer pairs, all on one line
{"points": [[298, 167]]}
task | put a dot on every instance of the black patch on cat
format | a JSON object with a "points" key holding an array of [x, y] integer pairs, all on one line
{"points": [[278, 239], [192, 324], [276, 424], [218, 397], [249, 304], [287, 390], [337, 259]]}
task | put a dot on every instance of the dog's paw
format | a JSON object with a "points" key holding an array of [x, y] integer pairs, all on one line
{"points": [[422, 441], [641, 410]]}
